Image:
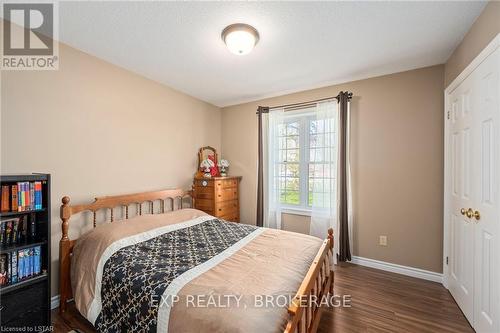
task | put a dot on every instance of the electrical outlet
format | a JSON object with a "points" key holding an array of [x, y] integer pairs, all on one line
{"points": [[382, 240]]}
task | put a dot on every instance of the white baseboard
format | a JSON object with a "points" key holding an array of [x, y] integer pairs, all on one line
{"points": [[399, 269], [54, 302]]}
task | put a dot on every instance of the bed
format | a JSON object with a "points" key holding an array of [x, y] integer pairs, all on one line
{"points": [[171, 268]]}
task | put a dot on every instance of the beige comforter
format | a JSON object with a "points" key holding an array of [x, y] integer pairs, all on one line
{"points": [[273, 263]]}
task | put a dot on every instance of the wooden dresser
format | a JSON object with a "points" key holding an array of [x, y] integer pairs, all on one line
{"points": [[218, 196]]}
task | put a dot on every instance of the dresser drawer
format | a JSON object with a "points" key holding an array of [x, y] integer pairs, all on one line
{"points": [[205, 205], [227, 208], [203, 192], [199, 182], [226, 183], [225, 194]]}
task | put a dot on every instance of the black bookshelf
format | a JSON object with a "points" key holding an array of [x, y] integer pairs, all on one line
{"points": [[25, 304]]}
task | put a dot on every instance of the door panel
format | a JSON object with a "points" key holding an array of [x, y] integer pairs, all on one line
{"points": [[487, 250], [474, 267], [461, 281]]}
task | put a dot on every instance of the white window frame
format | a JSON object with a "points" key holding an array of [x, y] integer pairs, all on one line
{"points": [[305, 117]]}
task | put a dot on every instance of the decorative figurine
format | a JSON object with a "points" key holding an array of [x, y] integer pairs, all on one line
{"points": [[223, 167]]}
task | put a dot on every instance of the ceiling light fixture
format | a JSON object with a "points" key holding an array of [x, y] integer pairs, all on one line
{"points": [[240, 38]]}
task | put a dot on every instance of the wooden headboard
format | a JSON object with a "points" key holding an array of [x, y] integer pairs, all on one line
{"points": [[107, 203]]}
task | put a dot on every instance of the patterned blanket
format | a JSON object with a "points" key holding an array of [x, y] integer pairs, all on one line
{"points": [[135, 275]]}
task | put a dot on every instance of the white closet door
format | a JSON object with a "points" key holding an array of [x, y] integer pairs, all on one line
{"points": [[461, 258], [487, 201], [474, 195]]}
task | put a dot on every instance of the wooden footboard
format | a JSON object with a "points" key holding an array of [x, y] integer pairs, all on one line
{"points": [[304, 312]]}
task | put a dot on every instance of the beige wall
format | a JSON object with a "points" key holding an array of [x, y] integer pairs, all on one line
{"points": [[484, 29], [397, 162], [99, 129]]}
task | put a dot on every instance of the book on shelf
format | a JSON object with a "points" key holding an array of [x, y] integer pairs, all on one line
{"points": [[14, 198], [3, 269], [38, 259], [22, 196], [20, 265], [23, 229], [32, 227], [18, 230], [15, 229], [5, 206], [13, 267], [8, 232], [2, 233]]}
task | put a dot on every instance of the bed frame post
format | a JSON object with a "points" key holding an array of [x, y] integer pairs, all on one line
{"points": [[191, 194], [64, 256], [330, 238]]}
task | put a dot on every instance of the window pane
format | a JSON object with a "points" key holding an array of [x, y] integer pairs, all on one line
{"points": [[292, 128], [281, 129], [293, 170], [316, 185], [282, 155], [321, 170], [292, 142], [329, 154], [327, 200], [292, 155], [282, 170], [329, 139], [282, 142], [317, 199], [316, 154], [316, 170], [282, 183], [312, 153], [330, 171], [323, 199], [292, 197], [316, 126], [292, 184], [327, 185], [317, 140]]}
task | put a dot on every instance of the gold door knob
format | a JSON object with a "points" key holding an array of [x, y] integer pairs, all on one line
{"points": [[463, 211], [477, 215], [469, 213]]}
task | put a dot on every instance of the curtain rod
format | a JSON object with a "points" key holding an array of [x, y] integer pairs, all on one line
{"points": [[265, 109]]}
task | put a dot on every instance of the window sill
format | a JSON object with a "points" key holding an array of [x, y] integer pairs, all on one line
{"points": [[296, 211]]}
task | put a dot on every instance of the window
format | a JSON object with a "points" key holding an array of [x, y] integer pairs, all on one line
{"points": [[306, 160]]}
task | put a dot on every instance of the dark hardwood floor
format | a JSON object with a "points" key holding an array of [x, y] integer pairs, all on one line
{"points": [[388, 302], [380, 302]]}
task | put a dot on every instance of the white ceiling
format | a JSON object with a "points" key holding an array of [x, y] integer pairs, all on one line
{"points": [[303, 45]]}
